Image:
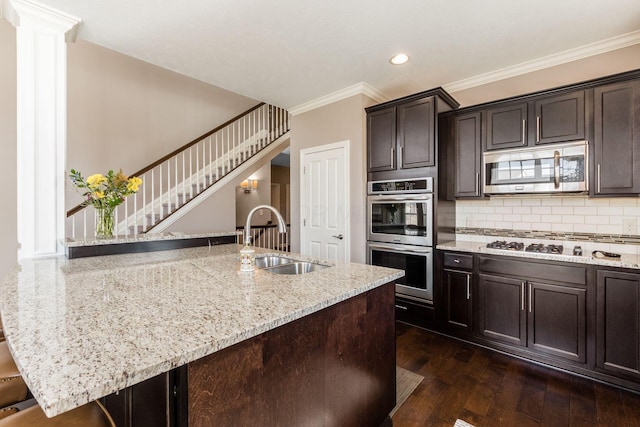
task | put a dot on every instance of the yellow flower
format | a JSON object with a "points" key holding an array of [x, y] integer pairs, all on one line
{"points": [[95, 180], [134, 183], [98, 195]]}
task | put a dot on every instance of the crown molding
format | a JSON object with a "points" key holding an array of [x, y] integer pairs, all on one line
{"points": [[42, 16], [361, 88], [581, 52]]}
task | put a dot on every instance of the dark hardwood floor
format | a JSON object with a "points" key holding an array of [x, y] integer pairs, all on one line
{"points": [[489, 389]]}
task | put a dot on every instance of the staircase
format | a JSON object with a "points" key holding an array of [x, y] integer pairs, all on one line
{"points": [[183, 179]]}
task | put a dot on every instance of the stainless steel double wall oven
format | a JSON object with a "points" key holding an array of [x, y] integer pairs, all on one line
{"points": [[400, 232]]}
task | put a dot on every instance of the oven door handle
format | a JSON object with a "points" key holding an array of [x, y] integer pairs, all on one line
{"points": [[403, 198], [399, 249]]}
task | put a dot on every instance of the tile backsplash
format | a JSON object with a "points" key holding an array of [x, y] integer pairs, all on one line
{"points": [[609, 216]]}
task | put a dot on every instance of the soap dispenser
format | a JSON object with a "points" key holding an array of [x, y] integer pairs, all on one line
{"points": [[247, 258]]}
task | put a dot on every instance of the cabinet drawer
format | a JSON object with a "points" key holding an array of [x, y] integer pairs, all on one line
{"points": [[458, 260], [414, 313]]}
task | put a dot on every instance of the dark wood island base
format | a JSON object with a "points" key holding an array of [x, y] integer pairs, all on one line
{"points": [[335, 367]]}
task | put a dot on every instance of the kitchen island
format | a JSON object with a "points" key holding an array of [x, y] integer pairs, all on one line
{"points": [[81, 329]]}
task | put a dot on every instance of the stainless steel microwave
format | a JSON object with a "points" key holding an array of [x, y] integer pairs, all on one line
{"points": [[553, 168]]}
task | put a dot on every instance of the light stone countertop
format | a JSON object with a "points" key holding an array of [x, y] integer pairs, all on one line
{"points": [[84, 328], [625, 261]]}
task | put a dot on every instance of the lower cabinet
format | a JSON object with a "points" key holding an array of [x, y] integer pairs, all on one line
{"points": [[501, 313], [547, 318], [414, 312], [158, 401], [618, 324]]}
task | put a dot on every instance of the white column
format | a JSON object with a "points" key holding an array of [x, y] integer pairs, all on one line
{"points": [[41, 35]]}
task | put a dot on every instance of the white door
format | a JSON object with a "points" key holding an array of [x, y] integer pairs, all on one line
{"points": [[325, 201]]}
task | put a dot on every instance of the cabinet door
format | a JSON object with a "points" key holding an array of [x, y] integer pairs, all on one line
{"points": [[381, 140], [468, 156], [457, 295], [557, 321], [501, 309], [618, 324], [560, 118], [507, 127], [416, 134], [617, 138]]}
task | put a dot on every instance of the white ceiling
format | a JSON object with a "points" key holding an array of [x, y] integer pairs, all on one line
{"points": [[288, 52]]}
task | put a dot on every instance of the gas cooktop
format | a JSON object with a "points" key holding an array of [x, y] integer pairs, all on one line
{"points": [[519, 246]]}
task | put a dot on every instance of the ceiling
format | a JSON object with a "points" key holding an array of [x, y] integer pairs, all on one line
{"points": [[289, 52]]}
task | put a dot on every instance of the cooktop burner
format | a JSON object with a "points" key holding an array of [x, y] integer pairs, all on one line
{"points": [[502, 244], [519, 246], [544, 249]]}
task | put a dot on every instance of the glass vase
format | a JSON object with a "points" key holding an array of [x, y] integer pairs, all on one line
{"points": [[104, 222]]}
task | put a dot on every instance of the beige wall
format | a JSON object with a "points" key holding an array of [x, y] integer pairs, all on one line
{"points": [[261, 196], [340, 121], [8, 216], [282, 175], [616, 61], [125, 113]]}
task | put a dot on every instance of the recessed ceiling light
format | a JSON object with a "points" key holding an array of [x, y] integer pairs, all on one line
{"points": [[399, 59]]}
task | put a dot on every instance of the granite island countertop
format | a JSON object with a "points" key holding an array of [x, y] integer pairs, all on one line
{"points": [[80, 329]]}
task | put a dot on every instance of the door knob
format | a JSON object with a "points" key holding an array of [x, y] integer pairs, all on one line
{"points": [[339, 236]]}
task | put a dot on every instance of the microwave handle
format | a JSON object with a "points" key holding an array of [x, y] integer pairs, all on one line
{"points": [[556, 169], [397, 249]]}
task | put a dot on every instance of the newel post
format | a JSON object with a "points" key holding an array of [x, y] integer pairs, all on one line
{"points": [[41, 37]]}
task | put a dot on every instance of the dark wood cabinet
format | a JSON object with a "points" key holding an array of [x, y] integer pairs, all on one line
{"points": [[618, 323], [402, 137], [381, 140], [537, 305], [559, 118], [616, 144], [557, 321], [153, 402], [506, 126], [414, 312], [457, 290], [457, 294], [416, 134], [501, 309], [401, 134], [468, 156]]}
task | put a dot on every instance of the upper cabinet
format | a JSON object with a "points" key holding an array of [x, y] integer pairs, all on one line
{"points": [[616, 142], [381, 140], [401, 134], [507, 126], [467, 156], [559, 118], [416, 134]]}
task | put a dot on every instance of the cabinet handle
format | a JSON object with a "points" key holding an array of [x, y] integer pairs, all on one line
{"points": [[598, 178], [530, 302], [522, 296], [538, 129], [400, 152], [524, 127], [456, 260], [478, 184], [468, 286], [392, 156], [402, 307]]}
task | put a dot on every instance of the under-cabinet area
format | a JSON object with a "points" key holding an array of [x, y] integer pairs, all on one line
{"points": [[580, 317]]}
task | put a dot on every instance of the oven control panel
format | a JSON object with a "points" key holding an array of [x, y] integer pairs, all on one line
{"points": [[401, 186]]}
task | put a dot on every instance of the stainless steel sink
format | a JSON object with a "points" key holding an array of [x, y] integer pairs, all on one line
{"points": [[296, 267], [271, 261], [282, 265]]}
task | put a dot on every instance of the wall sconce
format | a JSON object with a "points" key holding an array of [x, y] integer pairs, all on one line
{"points": [[248, 185]]}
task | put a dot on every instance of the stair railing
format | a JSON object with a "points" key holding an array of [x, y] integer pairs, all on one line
{"points": [[173, 180], [268, 237]]}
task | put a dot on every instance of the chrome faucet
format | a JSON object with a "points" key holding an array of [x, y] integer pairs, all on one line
{"points": [[282, 226]]}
